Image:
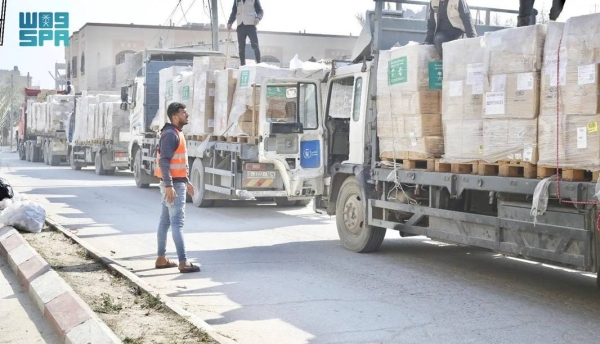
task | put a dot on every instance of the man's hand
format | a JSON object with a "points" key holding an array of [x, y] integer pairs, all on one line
{"points": [[256, 21], [229, 26], [170, 194], [190, 189]]}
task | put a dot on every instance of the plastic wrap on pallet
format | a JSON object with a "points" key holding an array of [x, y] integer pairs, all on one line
{"points": [[427, 147], [464, 59], [116, 123], [578, 141], [407, 126], [240, 118], [581, 93], [582, 40], [510, 139], [551, 70], [84, 118], [185, 95], [514, 50], [59, 108], [225, 82], [137, 119], [202, 114], [463, 140], [92, 121], [512, 96], [166, 93]]}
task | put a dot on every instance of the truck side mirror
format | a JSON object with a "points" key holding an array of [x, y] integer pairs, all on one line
{"points": [[123, 106], [124, 95]]}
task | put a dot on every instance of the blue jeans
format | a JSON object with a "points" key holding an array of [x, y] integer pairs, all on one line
{"points": [[172, 215]]}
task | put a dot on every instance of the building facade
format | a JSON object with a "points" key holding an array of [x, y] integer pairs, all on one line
{"points": [[95, 58]]}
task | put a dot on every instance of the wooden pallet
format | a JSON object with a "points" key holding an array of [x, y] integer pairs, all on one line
{"points": [[413, 164], [243, 139], [568, 174], [455, 167], [218, 138], [508, 168]]}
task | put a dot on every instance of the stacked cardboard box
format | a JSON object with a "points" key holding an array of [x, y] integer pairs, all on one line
{"points": [[245, 98], [167, 90], [409, 122], [462, 100], [225, 82], [552, 76], [575, 120], [513, 60]]}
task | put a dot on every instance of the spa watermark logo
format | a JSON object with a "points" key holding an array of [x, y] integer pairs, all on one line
{"points": [[37, 28]]}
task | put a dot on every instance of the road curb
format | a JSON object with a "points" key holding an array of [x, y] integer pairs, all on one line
{"points": [[115, 267], [71, 318]]}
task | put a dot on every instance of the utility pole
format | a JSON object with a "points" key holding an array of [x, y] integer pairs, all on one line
{"points": [[10, 112], [214, 19]]}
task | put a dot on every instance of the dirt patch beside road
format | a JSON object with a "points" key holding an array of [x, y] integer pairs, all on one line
{"points": [[135, 317]]}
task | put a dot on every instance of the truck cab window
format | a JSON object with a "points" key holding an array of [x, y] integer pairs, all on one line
{"points": [[357, 100], [340, 98], [308, 106]]}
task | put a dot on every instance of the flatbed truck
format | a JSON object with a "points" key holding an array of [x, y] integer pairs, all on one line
{"points": [[490, 212]]}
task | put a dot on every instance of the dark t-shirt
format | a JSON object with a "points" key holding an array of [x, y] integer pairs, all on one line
{"points": [[443, 21]]}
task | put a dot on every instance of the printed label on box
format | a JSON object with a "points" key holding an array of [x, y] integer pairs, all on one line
{"points": [[494, 103], [499, 83], [436, 75], [185, 93], [586, 74], [398, 70], [528, 154], [478, 85], [413, 139], [169, 92], [475, 71], [554, 78], [455, 88], [211, 123], [244, 78], [211, 92], [593, 127], [581, 138], [525, 82]]}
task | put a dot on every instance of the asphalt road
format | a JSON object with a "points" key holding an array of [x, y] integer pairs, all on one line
{"points": [[272, 275]]}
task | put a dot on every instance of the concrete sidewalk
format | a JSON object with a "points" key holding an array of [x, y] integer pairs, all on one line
{"points": [[22, 321]]}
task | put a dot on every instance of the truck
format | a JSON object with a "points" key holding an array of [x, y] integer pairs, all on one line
{"points": [[489, 212], [42, 135], [99, 133], [282, 164]]}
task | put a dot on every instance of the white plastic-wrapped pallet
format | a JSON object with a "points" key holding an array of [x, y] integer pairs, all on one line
{"points": [[240, 118], [115, 123], [166, 93], [225, 83], [84, 118], [59, 108]]}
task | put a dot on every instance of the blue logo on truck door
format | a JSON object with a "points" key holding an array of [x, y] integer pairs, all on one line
{"points": [[310, 156]]}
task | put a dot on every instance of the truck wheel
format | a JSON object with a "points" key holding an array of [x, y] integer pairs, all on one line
{"points": [[27, 153], [74, 166], [21, 151], [197, 178], [351, 220], [302, 203], [283, 202], [46, 152], [110, 171], [98, 165], [36, 154], [138, 173], [54, 160]]}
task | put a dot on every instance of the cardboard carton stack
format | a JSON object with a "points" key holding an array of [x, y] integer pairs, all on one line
{"points": [[579, 99], [241, 115], [409, 120], [167, 93], [225, 83], [512, 63], [462, 100]]}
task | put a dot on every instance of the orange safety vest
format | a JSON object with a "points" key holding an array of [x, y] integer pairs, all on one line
{"points": [[179, 162]]}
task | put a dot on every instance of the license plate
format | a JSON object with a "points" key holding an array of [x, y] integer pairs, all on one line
{"points": [[121, 159], [260, 174]]}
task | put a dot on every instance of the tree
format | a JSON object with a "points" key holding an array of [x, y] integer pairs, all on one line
{"points": [[360, 18]]}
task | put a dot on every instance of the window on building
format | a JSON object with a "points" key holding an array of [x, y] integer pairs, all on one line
{"points": [[68, 69], [120, 57], [74, 67], [82, 63]]}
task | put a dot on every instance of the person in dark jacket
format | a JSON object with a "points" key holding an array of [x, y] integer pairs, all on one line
{"points": [[526, 11], [174, 183], [448, 20], [247, 14]]}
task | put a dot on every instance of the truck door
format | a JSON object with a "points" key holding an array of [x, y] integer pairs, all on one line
{"points": [[291, 133]]}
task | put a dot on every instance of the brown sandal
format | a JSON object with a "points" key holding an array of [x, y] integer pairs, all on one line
{"points": [[166, 266], [190, 268]]}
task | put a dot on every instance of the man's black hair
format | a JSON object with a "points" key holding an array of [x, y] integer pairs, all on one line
{"points": [[174, 109]]}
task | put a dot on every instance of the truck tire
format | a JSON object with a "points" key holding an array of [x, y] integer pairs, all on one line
{"points": [[54, 160], [138, 173], [36, 154], [27, 152], [46, 153], [98, 165], [21, 151], [74, 166], [303, 203], [283, 202], [197, 178], [110, 171], [351, 220]]}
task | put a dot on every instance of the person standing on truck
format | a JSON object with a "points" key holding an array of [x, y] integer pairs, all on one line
{"points": [[448, 20], [172, 162], [247, 13], [526, 11]]}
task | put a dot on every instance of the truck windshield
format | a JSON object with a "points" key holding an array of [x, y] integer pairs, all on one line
{"points": [[283, 106]]}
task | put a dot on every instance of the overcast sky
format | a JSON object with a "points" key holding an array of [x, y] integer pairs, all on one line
{"points": [[314, 16]]}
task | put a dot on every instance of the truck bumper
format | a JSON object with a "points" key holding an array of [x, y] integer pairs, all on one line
{"points": [[254, 194]]}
